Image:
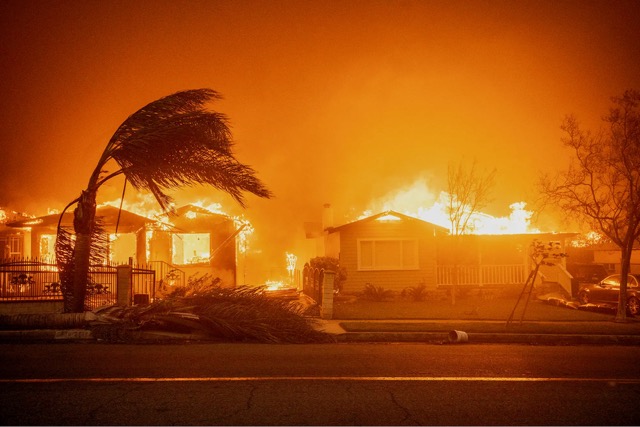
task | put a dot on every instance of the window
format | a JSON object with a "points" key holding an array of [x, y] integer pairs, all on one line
{"points": [[388, 254], [191, 248]]}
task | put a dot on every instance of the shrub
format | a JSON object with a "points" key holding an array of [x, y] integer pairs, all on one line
{"points": [[376, 293], [415, 293]]}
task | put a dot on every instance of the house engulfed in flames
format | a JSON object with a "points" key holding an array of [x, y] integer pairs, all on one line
{"points": [[192, 239]]}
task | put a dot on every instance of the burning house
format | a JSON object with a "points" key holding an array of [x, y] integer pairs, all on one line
{"points": [[126, 234], [199, 242], [11, 239], [191, 240]]}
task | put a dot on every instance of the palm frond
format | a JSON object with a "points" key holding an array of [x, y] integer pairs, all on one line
{"points": [[227, 314], [175, 142]]}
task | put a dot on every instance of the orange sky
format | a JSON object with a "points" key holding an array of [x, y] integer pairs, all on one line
{"points": [[330, 101]]}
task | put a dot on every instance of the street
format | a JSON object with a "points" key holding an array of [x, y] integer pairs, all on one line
{"points": [[347, 384]]}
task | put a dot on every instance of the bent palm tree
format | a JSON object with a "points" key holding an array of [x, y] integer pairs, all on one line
{"points": [[170, 143]]}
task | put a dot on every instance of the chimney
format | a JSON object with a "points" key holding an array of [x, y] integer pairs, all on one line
{"points": [[327, 216]]}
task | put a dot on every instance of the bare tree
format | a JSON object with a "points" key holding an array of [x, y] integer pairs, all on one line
{"points": [[601, 186], [469, 191], [170, 143]]}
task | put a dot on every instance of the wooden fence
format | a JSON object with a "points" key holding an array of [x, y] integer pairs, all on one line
{"points": [[510, 274]]}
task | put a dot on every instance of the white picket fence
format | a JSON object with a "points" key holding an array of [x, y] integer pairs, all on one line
{"points": [[510, 274]]}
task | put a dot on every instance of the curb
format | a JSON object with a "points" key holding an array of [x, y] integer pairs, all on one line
{"points": [[47, 335], [488, 338], [84, 335]]}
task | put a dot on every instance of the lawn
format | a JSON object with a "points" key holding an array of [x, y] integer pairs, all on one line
{"points": [[467, 308]]}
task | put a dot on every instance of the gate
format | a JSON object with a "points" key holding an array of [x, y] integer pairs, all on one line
{"points": [[312, 279]]}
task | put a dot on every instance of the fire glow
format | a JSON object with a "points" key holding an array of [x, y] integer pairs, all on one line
{"points": [[194, 247], [418, 201]]}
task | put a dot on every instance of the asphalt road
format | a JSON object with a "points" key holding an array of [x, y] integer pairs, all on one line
{"points": [[346, 384]]}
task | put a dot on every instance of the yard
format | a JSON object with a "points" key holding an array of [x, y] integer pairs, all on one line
{"points": [[471, 307]]}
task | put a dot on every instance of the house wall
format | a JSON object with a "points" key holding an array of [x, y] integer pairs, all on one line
{"points": [[332, 245], [396, 280], [611, 259], [223, 252]]}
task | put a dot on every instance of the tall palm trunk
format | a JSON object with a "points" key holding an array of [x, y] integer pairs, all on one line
{"points": [[83, 224]]}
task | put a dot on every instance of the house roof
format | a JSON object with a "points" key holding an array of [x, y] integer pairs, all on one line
{"points": [[10, 215], [186, 209], [128, 220], [381, 215]]}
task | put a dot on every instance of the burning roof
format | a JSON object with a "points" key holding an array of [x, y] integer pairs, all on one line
{"points": [[125, 220]]}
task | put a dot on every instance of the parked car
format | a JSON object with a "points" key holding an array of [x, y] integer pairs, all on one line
{"points": [[608, 291]]}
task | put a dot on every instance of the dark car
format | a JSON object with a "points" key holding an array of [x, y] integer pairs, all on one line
{"points": [[608, 291]]}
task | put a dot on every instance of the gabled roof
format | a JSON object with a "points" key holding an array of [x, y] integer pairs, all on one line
{"points": [[10, 215], [184, 210], [128, 220], [437, 228]]}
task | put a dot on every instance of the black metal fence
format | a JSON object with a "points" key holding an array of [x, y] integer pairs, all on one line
{"points": [[33, 280]]}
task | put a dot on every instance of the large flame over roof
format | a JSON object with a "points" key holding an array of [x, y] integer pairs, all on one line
{"points": [[419, 201]]}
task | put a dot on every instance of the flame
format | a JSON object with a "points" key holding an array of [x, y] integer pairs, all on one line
{"points": [[143, 204], [246, 230], [420, 202], [211, 207], [291, 262], [591, 238]]}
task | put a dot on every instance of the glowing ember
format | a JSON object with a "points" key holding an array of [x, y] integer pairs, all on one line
{"points": [[274, 285]]}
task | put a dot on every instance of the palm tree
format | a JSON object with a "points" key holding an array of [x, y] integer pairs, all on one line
{"points": [[169, 143]]}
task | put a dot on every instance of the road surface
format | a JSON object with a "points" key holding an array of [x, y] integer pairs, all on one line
{"points": [[346, 384]]}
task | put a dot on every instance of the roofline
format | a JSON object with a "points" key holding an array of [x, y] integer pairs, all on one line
{"points": [[381, 214]]}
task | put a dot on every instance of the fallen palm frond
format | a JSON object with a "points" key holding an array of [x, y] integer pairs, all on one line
{"points": [[226, 314]]}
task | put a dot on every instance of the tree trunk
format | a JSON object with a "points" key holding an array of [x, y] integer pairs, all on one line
{"points": [[83, 223], [625, 267]]}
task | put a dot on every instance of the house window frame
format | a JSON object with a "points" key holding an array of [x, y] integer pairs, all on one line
{"points": [[376, 265]]}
